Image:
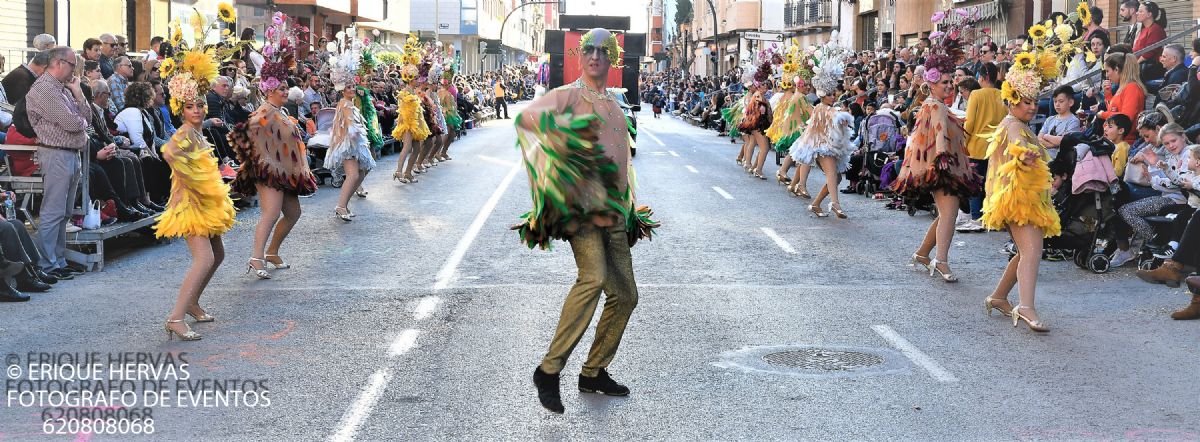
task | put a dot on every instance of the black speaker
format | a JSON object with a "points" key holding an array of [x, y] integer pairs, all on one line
{"points": [[585, 22], [635, 44], [556, 70], [554, 41]]}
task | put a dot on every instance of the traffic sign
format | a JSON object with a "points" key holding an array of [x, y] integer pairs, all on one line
{"points": [[766, 36]]}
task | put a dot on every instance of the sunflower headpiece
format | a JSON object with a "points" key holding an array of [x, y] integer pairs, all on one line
{"points": [[1044, 59], [193, 69], [410, 59]]}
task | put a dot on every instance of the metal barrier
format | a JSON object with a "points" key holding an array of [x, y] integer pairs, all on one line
{"points": [[1095, 72]]}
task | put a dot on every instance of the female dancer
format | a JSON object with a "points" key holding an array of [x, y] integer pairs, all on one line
{"points": [[447, 97], [410, 128], [733, 119], [757, 119], [936, 161], [826, 139], [1018, 189], [349, 149], [274, 167], [796, 110], [199, 208]]}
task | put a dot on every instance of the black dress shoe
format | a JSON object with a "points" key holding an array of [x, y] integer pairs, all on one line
{"points": [[62, 274], [128, 215], [144, 208], [155, 207], [27, 282], [547, 387], [9, 294], [45, 277], [108, 222], [602, 383]]}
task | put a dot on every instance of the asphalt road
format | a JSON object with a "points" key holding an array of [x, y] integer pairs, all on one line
{"points": [[424, 318]]}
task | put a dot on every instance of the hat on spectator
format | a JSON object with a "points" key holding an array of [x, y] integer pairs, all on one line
{"points": [[1043, 59]]}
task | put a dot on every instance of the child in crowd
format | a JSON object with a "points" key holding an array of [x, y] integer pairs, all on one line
{"points": [[1115, 129], [1062, 122]]}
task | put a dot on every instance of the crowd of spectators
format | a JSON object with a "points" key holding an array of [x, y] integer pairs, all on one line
{"points": [[110, 104], [1137, 96]]}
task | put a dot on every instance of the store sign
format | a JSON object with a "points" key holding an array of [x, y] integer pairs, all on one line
{"points": [[765, 36]]}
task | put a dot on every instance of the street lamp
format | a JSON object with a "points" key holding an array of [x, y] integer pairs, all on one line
{"points": [[713, 10]]}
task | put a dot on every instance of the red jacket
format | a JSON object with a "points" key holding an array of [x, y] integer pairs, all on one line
{"points": [[1149, 35], [1129, 100]]}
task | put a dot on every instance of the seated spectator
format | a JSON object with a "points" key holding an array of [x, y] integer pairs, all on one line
{"points": [[17, 83], [1063, 121], [1153, 21], [137, 122], [116, 172], [1115, 129], [1172, 62], [123, 73], [1130, 99]]}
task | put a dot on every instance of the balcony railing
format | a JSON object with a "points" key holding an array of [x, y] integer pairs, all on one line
{"points": [[808, 13]]}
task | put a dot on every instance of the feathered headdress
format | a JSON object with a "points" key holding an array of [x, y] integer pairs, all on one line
{"points": [[610, 45], [955, 28], [191, 71], [351, 60], [1044, 58], [829, 64], [280, 51]]}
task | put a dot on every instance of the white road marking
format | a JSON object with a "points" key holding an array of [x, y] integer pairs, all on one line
{"points": [[495, 160], [403, 343], [656, 140], [779, 241], [362, 406], [914, 354], [692, 169], [723, 193], [447, 272], [673, 153], [425, 307]]}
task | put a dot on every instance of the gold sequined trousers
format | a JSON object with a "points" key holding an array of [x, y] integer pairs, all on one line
{"points": [[602, 256]]}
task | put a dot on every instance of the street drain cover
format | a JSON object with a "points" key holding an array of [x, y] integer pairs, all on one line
{"points": [[825, 361]]}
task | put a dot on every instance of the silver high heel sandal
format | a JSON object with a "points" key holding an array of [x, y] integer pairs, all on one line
{"points": [[948, 277], [337, 211], [1037, 326], [189, 335], [362, 193], [916, 259], [204, 316], [988, 306], [282, 265], [260, 273]]}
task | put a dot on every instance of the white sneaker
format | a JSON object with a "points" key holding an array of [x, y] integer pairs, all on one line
{"points": [[1122, 257], [963, 217], [977, 225], [71, 228]]}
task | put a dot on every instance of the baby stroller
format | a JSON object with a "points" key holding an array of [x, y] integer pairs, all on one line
{"points": [[880, 142], [1084, 200]]}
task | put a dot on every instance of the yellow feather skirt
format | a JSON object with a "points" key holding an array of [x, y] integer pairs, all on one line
{"points": [[1020, 194], [199, 204], [411, 118]]}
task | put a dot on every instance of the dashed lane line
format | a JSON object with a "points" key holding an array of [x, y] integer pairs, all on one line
{"points": [[722, 192], [779, 241], [656, 140], [673, 153], [369, 396], [914, 354], [495, 160], [447, 272], [692, 169], [425, 307]]}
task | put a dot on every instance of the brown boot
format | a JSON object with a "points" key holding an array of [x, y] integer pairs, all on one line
{"points": [[1169, 273], [1192, 311]]}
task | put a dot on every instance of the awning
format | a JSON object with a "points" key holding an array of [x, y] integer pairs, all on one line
{"points": [[982, 11]]}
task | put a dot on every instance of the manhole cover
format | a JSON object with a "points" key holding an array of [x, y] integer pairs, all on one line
{"points": [[825, 361], [822, 359]]}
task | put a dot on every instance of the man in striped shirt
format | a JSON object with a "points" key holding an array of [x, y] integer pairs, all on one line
{"points": [[59, 114]]}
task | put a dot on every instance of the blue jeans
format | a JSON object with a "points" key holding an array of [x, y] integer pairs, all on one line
{"points": [[976, 201]]}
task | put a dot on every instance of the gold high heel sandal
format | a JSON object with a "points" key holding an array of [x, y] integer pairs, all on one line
{"points": [[203, 317], [398, 176], [281, 265], [802, 193], [836, 208], [816, 211], [189, 335], [782, 179], [948, 276], [988, 306], [260, 273], [1037, 326], [916, 259]]}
